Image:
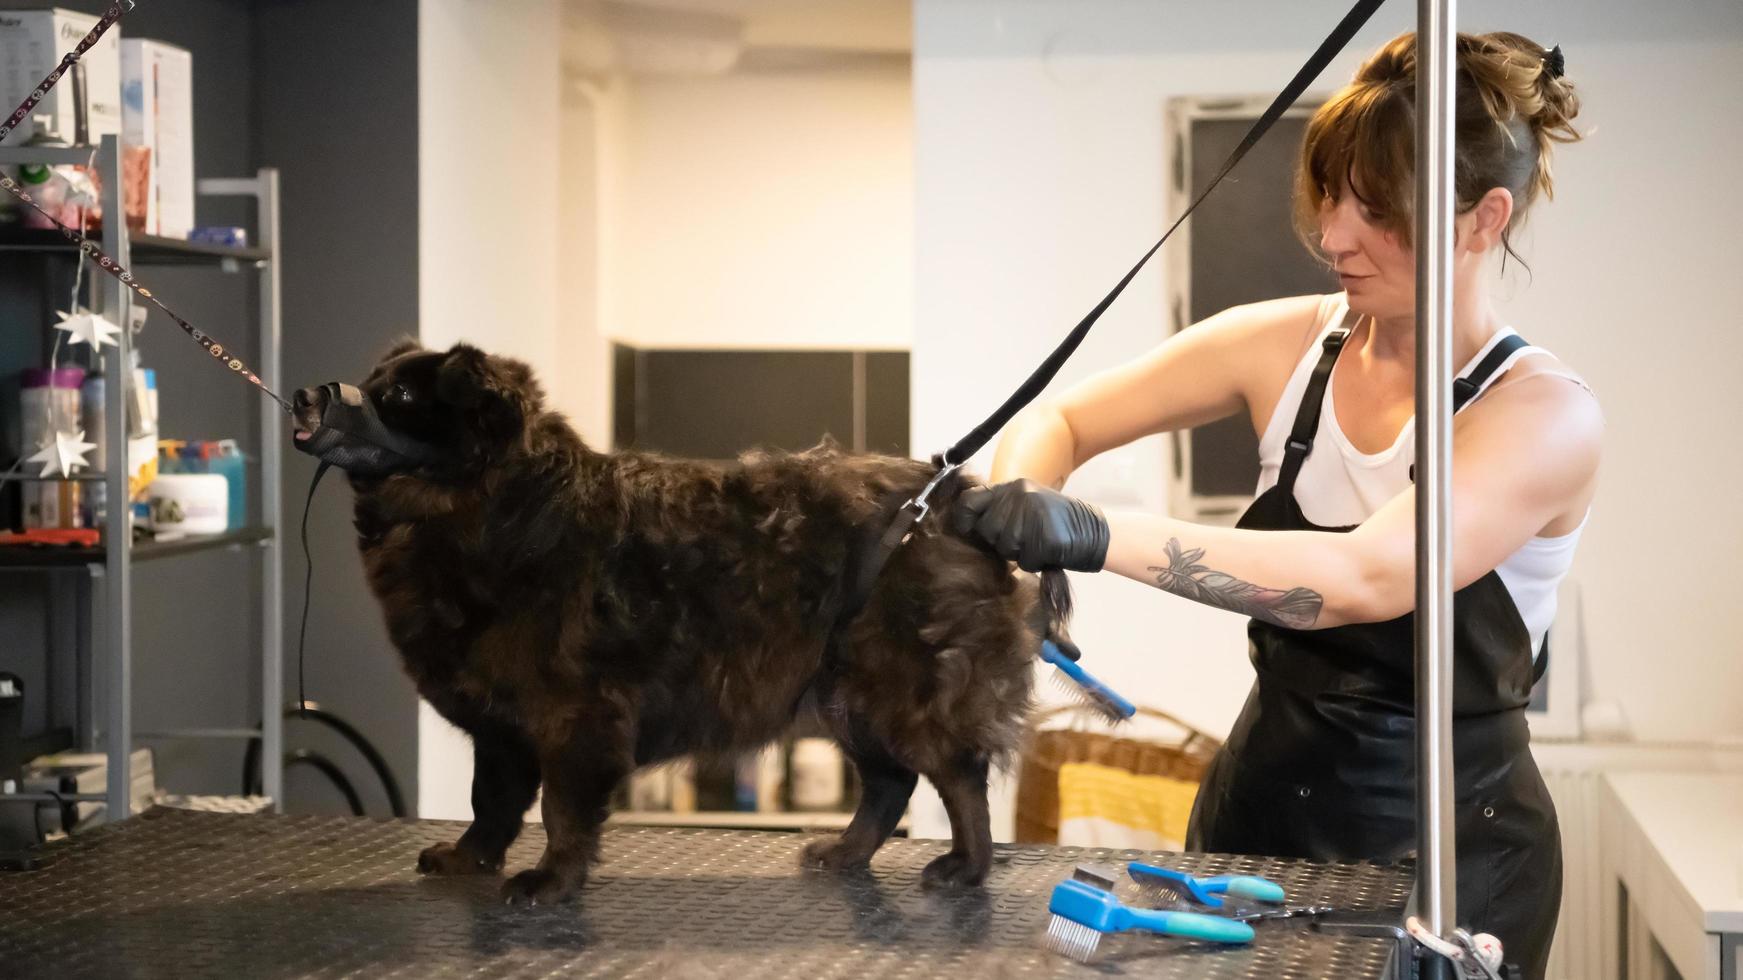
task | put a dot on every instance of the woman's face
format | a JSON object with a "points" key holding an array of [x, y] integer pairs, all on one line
{"points": [[1373, 265], [1378, 270]]}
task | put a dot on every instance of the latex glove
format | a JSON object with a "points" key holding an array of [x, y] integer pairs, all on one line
{"points": [[1034, 526]]}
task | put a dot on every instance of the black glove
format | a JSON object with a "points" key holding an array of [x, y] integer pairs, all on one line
{"points": [[1035, 527]]}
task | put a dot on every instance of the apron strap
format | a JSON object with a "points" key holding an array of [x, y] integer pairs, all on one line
{"points": [[1472, 385], [1312, 400], [1469, 387]]}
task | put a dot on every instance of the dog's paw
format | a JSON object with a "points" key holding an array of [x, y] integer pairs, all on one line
{"points": [[451, 859], [953, 870], [539, 886], [833, 854]]}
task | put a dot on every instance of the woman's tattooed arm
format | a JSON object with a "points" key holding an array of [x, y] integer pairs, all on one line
{"points": [[1184, 576]]}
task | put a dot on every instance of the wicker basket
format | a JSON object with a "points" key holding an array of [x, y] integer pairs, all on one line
{"points": [[1184, 756]]}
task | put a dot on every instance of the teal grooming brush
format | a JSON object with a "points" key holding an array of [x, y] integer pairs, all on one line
{"points": [[1084, 688], [1083, 913], [1161, 883]]}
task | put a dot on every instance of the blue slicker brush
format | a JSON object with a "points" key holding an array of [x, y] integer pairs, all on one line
{"points": [[1084, 688], [1083, 913], [1166, 882]]}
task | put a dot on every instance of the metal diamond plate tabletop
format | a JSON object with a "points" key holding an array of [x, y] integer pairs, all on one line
{"points": [[177, 893]]}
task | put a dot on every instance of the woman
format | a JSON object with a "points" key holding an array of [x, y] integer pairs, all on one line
{"points": [[1321, 762]]}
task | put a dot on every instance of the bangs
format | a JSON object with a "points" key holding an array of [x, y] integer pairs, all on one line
{"points": [[1364, 135]]}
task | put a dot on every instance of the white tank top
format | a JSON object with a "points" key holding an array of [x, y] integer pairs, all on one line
{"points": [[1339, 485]]}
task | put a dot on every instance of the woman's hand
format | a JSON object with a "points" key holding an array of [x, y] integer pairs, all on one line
{"points": [[1042, 530], [1038, 528]]}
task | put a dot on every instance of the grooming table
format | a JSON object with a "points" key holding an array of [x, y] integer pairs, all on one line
{"points": [[178, 893]]}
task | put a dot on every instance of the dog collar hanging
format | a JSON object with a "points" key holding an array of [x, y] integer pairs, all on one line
{"points": [[89, 248]]}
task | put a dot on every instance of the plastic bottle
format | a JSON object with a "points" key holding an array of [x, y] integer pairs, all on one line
{"points": [[817, 774], [49, 404], [48, 193], [221, 457], [225, 458], [95, 423]]}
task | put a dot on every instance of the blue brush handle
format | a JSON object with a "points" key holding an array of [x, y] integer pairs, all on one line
{"points": [[1247, 886], [1190, 925], [1205, 891], [1082, 678], [1192, 886]]}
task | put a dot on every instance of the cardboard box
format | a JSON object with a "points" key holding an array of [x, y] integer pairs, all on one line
{"points": [[85, 105], [88, 772], [157, 115]]}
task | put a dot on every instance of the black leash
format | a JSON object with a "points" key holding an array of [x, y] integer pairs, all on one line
{"points": [[1328, 49], [914, 510]]}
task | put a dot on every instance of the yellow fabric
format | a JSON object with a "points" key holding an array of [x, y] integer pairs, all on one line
{"points": [[1148, 805]]}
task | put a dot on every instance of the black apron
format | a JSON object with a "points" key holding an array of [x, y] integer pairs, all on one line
{"points": [[1321, 763]]}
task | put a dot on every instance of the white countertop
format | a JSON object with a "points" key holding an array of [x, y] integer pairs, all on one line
{"points": [[1693, 822]]}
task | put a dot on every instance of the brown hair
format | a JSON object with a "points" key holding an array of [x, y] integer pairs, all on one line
{"points": [[1511, 104]]}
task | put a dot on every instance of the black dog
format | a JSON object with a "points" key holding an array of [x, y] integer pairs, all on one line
{"points": [[582, 614]]}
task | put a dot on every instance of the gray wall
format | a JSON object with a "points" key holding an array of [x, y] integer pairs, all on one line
{"points": [[337, 113], [325, 91]]}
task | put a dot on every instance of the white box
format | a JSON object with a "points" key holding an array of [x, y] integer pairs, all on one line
{"points": [[157, 112], [32, 43]]}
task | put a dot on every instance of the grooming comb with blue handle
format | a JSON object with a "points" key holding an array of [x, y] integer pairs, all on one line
{"points": [[1082, 685], [1083, 913], [1205, 891]]}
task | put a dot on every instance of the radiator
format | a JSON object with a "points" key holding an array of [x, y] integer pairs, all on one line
{"points": [[1573, 772], [1576, 953]]}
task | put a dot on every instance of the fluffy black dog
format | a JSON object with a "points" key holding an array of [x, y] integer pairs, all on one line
{"points": [[582, 614]]}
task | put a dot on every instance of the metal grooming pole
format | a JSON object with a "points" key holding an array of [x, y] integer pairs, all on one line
{"points": [[1437, 877], [117, 590]]}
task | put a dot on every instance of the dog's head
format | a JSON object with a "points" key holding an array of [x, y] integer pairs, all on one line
{"points": [[419, 409]]}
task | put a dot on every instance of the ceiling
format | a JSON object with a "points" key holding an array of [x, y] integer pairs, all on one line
{"points": [[713, 36]]}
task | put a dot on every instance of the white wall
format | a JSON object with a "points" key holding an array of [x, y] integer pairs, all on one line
{"points": [[771, 209], [1039, 179], [768, 209], [488, 239], [1635, 284], [585, 116]]}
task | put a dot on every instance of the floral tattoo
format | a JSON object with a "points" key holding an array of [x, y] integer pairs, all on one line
{"points": [[1184, 576]]}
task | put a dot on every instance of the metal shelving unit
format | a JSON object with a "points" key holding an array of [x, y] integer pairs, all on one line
{"points": [[110, 566]]}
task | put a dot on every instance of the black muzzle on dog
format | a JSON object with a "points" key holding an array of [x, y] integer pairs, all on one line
{"points": [[351, 436]]}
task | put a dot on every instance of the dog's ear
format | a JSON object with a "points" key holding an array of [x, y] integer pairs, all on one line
{"points": [[494, 394], [404, 345]]}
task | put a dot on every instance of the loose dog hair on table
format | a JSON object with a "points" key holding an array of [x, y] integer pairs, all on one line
{"points": [[581, 614]]}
